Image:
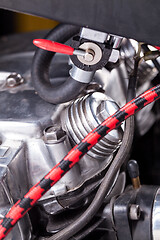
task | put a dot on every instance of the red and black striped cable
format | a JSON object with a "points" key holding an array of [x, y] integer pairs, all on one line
{"points": [[36, 192]]}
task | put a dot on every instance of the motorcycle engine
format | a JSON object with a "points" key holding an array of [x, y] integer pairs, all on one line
{"points": [[35, 135]]}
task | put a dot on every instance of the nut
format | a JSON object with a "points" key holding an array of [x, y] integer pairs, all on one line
{"points": [[54, 134], [14, 79]]}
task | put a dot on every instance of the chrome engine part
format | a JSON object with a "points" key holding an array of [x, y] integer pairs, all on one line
{"points": [[32, 142], [156, 216], [85, 114], [36, 135]]}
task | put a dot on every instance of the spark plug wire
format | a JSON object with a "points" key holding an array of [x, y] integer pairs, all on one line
{"points": [[23, 205]]}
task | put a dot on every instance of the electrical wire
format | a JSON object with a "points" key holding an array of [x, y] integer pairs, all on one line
{"points": [[86, 217], [37, 191], [120, 158]]}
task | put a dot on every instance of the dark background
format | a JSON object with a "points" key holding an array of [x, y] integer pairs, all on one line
{"points": [[12, 22]]}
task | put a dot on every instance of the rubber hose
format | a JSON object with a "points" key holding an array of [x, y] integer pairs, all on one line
{"points": [[70, 88], [120, 158]]}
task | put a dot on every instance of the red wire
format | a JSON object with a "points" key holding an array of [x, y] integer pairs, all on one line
{"points": [[37, 191], [157, 47]]}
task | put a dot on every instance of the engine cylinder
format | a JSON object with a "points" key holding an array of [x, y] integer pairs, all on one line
{"points": [[85, 114]]}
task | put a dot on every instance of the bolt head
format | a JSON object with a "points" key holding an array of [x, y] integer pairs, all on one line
{"points": [[54, 134], [11, 82], [134, 212], [14, 79]]}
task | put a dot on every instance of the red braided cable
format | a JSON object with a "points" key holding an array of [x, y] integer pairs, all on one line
{"points": [[37, 191]]}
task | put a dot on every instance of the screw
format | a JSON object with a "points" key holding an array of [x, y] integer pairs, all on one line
{"points": [[54, 134], [14, 79], [134, 212]]}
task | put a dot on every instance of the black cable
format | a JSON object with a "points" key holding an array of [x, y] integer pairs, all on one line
{"points": [[85, 218], [131, 92], [120, 158], [69, 89]]}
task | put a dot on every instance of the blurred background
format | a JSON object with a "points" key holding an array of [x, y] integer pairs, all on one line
{"points": [[11, 22]]}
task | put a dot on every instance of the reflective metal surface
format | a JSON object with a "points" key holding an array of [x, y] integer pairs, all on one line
{"points": [[84, 115], [23, 114], [12, 171], [156, 217], [97, 53], [81, 75], [26, 156], [58, 146], [93, 35]]}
